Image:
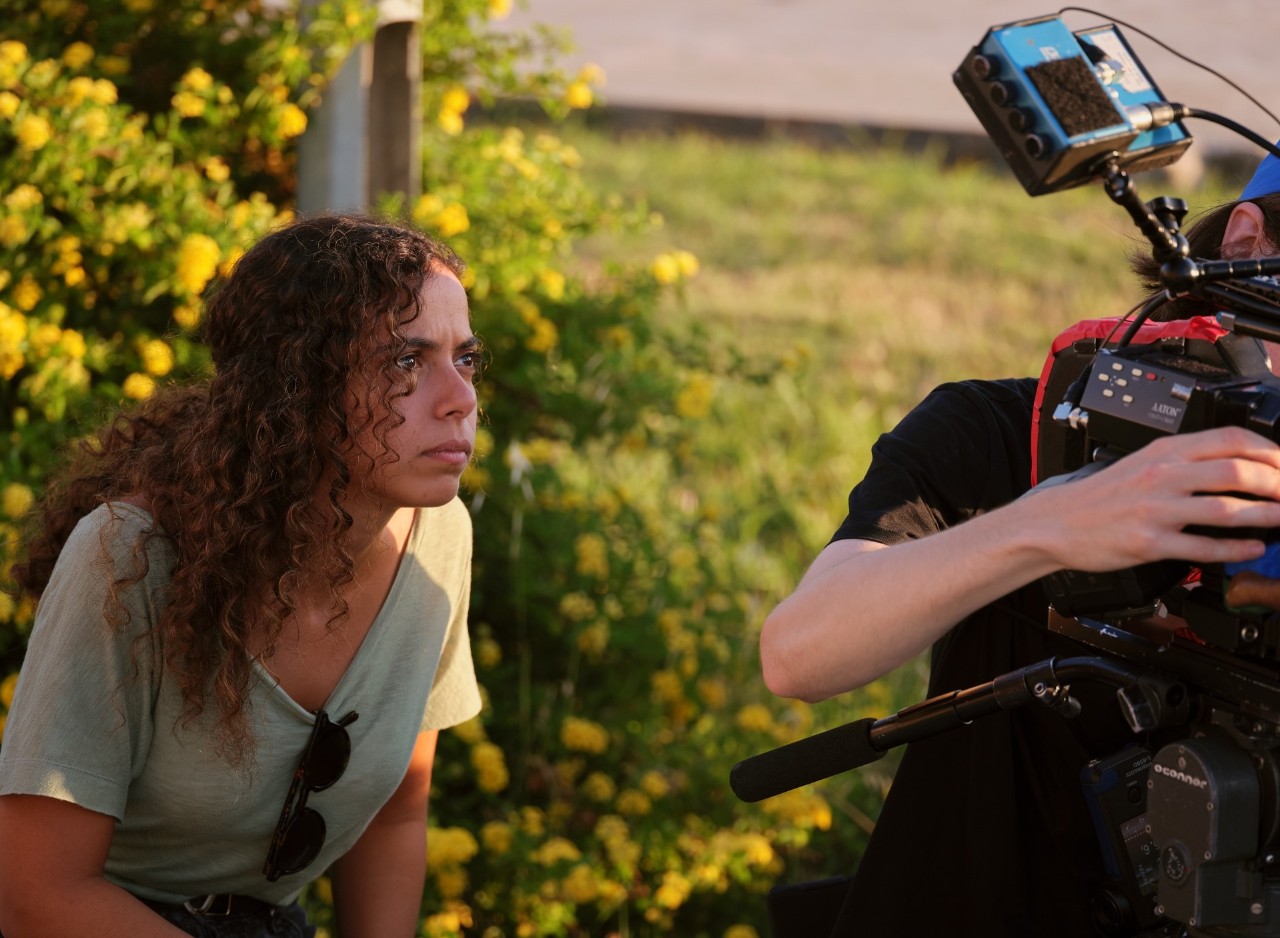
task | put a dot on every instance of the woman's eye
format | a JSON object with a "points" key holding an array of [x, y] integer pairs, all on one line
{"points": [[407, 362]]}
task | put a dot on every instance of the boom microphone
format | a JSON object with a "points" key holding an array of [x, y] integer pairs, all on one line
{"points": [[804, 762]]}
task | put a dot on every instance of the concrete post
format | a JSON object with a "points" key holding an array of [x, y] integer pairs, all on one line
{"points": [[364, 140]]}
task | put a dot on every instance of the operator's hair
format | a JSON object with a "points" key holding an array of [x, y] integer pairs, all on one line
{"points": [[1204, 236], [244, 473]]}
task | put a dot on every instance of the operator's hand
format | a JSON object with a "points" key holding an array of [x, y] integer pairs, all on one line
{"points": [[1137, 509]]}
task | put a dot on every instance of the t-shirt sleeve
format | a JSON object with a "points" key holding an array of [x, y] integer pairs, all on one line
{"points": [[81, 721], [960, 452], [455, 694]]}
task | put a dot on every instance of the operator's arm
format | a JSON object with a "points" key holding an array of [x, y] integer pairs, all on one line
{"points": [[378, 883], [51, 884], [863, 608]]}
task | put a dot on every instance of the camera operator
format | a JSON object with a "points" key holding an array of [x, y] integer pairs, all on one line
{"points": [[985, 831]]}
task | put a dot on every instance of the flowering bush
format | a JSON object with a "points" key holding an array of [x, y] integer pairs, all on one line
{"points": [[616, 599]]}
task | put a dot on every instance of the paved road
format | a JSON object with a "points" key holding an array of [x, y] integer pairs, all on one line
{"points": [[888, 63]]}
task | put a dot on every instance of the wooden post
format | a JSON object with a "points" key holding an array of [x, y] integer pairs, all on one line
{"points": [[364, 141]]}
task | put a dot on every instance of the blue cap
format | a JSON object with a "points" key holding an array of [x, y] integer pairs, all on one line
{"points": [[1266, 181]]}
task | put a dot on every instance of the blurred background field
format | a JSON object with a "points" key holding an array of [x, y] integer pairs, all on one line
{"points": [[695, 341]]}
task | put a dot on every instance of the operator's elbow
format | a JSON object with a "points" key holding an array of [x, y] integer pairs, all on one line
{"points": [[780, 662]]}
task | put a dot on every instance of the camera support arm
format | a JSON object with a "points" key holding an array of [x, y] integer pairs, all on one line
{"points": [[1149, 701]]}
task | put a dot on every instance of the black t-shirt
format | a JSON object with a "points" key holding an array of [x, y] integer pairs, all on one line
{"points": [[985, 831]]}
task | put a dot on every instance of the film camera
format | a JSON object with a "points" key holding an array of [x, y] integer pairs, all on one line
{"points": [[1189, 820]]}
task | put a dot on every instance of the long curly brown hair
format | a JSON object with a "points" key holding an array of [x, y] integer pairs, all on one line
{"points": [[244, 474]]}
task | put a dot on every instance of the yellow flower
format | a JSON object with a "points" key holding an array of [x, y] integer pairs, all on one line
{"points": [[7, 609], [187, 104], [452, 220], [77, 55], [451, 881], [73, 344], [455, 98], [293, 121], [157, 357], [552, 283], [488, 653], [583, 735], [491, 768], [544, 338], [593, 556], [599, 787], [9, 103], [451, 846], [591, 73], [8, 686], [665, 268], [713, 692], [594, 639], [216, 169], [686, 263], [450, 122], [579, 95], [740, 931], [138, 6], [95, 124], [581, 885], [13, 231], [694, 399], [188, 317], [197, 79], [655, 784], [27, 293], [755, 717], [577, 607], [197, 260], [138, 386], [34, 132], [104, 92], [17, 499], [499, 9], [673, 892], [555, 850], [496, 837], [12, 52], [43, 338], [23, 197], [634, 802]]}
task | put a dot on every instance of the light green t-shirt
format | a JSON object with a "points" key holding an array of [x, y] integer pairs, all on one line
{"points": [[94, 723]]}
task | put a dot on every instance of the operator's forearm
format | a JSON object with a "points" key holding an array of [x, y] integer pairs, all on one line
{"points": [[864, 609], [377, 885]]}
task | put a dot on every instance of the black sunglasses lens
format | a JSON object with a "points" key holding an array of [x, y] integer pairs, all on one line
{"points": [[329, 757], [302, 842]]}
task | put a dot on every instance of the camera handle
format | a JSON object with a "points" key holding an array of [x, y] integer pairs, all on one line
{"points": [[1148, 700]]}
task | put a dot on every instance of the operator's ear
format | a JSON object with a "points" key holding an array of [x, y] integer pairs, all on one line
{"points": [[1246, 233]]}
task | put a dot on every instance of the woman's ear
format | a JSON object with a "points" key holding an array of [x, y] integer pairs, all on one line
{"points": [[1245, 235]]}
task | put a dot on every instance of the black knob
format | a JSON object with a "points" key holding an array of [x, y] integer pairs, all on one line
{"points": [[1000, 92], [984, 66], [1034, 145], [1020, 119]]}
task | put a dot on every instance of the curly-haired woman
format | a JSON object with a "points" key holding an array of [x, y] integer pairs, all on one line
{"points": [[252, 612]]}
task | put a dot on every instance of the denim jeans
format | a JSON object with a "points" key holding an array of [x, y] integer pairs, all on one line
{"points": [[288, 921]]}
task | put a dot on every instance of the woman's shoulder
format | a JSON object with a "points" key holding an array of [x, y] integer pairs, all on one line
{"points": [[114, 528]]}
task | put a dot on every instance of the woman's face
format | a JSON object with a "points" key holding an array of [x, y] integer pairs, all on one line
{"points": [[434, 442]]}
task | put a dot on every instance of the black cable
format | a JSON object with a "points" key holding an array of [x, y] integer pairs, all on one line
{"points": [[1149, 307], [1175, 52], [1233, 125]]}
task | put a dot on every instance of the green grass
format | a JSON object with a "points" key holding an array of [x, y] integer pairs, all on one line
{"points": [[885, 272]]}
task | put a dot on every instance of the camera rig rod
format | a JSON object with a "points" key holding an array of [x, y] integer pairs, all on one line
{"points": [[864, 741]]}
